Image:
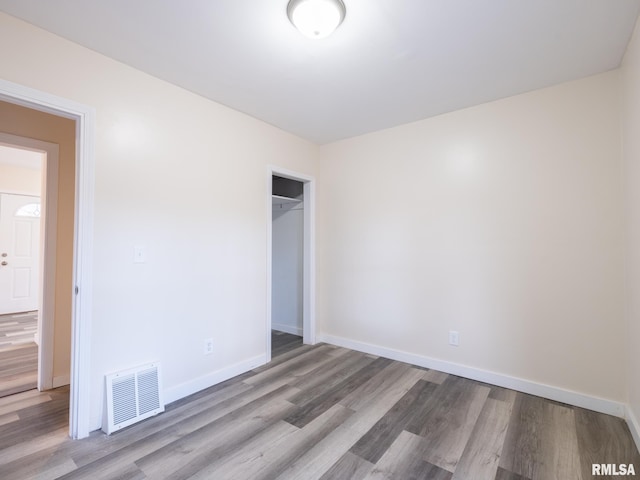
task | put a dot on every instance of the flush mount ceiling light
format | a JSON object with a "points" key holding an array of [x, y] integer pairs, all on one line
{"points": [[316, 18]]}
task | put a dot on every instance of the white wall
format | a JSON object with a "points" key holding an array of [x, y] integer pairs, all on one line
{"points": [[20, 180], [288, 232], [503, 222], [631, 149], [185, 178]]}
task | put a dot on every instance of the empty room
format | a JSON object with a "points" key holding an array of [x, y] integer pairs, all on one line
{"points": [[323, 239]]}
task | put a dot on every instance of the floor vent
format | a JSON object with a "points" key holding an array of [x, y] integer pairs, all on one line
{"points": [[132, 395]]}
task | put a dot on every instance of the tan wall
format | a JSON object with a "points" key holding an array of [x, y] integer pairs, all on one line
{"points": [[17, 120], [23, 181]]}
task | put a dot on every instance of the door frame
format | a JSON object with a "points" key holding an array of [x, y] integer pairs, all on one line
{"points": [[309, 253], [84, 116], [47, 268]]}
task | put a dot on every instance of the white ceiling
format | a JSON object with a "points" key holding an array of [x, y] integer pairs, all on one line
{"points": [[389, 63]]}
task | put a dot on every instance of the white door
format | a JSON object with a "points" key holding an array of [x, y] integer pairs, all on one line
{"points": [[19, 252]]}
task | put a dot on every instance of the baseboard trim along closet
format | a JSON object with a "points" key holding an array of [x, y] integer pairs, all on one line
{"points": [[287, 329], [557, 394], [193, 386]]}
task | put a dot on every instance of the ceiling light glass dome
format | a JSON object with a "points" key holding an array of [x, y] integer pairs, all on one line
{"points": [[316, 18]]}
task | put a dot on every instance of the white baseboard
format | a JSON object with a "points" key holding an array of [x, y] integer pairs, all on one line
{"points": [[557, 394], [634, 426], [61, 381], [287, 329], [185, 389]]}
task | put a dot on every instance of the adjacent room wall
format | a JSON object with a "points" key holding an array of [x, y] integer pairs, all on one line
{"points": [[19, 180], [185, 179], [631, 151], [503, 222], [24, 122]]}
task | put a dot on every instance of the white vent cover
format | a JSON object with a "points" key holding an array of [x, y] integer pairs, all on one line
{"points": [[132, 395]]}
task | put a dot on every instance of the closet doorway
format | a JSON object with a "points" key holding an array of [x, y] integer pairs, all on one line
{"points": [[291, 285]]}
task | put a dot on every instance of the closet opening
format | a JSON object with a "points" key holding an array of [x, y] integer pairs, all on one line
{"points": [[287, 237], [290, 262]]}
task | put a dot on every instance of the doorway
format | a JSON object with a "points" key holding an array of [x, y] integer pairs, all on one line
{"points": [[19, 252], [290, 261], [20, 276], [287, 237], [83, 118], [34, 172]]}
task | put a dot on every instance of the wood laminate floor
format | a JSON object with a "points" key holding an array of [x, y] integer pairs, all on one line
{"points": [[323, 412], [17, 329], [282, 343], [18, 353], [18, 369]]}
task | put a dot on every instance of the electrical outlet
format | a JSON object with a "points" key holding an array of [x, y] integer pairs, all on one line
{"points": [[208, 346], [454, 338]]}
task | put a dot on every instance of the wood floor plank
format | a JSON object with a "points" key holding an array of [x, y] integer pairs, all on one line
{"points": [[285, 357], [18, 366], [248, 458], [373, 444], [481, 455], [282, 343], [434, 376], [263, 459], [167, 442], [17, 398], [21, 404], [349, 467], [175, 421], [405, 459], [165, 431], [448, 419], [44, 463], [46, 472], [197, 450], [379, 383], [541, 441], [9, 418], [338, 370], [561, 450], [604, 439], [296, 367], [333, 371], [503, 474], [322, 456], [323, 402], [33, 449], [30, 427]]}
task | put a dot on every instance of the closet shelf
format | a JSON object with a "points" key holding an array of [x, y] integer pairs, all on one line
{"points": [[280, 200]]}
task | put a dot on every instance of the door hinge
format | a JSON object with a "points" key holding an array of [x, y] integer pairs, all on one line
{"points": [[77, 289]]}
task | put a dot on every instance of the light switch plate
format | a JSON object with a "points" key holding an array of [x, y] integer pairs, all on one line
{"points": [[139, 254]]}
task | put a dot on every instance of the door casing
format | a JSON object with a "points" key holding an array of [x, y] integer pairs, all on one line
{"points": [[84, 116]]}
